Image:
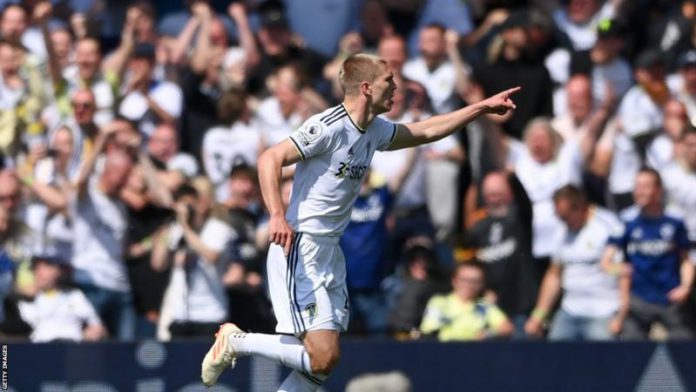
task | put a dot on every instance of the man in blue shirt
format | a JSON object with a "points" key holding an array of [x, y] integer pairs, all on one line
{"points": [[655, 246], [363, 247]]}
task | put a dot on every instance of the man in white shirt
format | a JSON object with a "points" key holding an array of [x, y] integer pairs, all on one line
{"points": [[592, 307], [58, 313], [100, 224], [433, 70], [680, 181], [146, 100], [237, 140], [279, 114], [175, 166], [306, 268]]}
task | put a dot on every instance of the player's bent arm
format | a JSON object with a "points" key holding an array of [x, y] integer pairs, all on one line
{"points": [[270, 165]]}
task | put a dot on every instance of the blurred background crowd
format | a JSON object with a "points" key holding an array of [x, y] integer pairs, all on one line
{"points": [[129, 134]]}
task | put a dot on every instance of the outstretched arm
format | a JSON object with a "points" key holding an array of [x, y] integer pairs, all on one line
{"points": [[270, 166], [437, 127]]}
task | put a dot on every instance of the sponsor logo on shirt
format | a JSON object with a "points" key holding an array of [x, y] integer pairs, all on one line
{"points": [[352, 172], [650, 247], [497, 252]]}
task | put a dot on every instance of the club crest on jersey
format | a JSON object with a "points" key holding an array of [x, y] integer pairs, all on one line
{"points": [[310, 133], [311, 310], [667, 231]]}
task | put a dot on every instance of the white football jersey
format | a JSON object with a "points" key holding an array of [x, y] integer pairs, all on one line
{"points": [[336, 154], [224, 148]]}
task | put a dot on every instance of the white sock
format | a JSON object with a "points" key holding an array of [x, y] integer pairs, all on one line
{"points": [[286, 349], [301, 382]]}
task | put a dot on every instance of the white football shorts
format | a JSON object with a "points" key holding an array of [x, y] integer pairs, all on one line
{"points": [[308, 288]]}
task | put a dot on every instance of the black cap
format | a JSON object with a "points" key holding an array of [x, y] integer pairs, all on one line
{"points": [[650, 58], [144, 50], [273, 15], [517, 19], [609, 28], [51, 259], [687, 59]]}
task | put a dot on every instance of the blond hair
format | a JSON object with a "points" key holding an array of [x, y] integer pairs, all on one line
{"points": [[357, 69]]}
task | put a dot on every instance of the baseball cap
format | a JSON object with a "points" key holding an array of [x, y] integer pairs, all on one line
{"points": [[687, 59], [609, 28], [51, 259], [144, 50], [517, 19], [273, 15], [650, 58]]}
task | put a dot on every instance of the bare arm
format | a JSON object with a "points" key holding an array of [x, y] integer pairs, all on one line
{"points": [[116, 63], [158, 192], [437, 127], [548, 293], [160, 256], [681, 293], [183, 40], [193, 239], [42, 13], [106, 133], [202, 50], [246, 36], [54, 198], [270, 166], [397, 183], [462, 81]]}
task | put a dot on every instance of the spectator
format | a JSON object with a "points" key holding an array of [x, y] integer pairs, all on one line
{"points": [[654, 247], [583, 123], [57, 312], [579, 20], [235, 141], [464, 314], [680, 179], [499, 236], [278, 48], [175, 166], [281, 113], [99, 222], [544, 167], [363, 247], [609, 68], [683, 83], [147, 101], [640, 115], [20, 98], [510, 63], [16, 238], [7, 265], [249, 305], [664, 147], [593, 307], [194, 244], [48, 180], [420, 282], [433, 69], [374, 24]]}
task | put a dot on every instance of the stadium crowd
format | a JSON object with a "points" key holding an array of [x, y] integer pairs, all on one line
{"points": [[129, 135]]}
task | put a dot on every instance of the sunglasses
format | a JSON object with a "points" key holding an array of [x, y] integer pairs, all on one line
{"points": [[83, 105]]}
